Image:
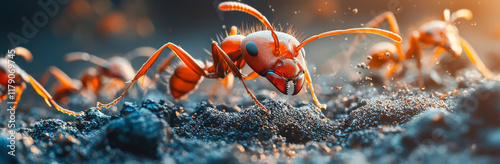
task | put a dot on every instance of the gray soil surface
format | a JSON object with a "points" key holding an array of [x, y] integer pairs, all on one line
{"points": [[437, 125]]}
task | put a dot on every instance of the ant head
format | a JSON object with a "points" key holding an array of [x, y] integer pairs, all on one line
{"points": [[441, 34], [444, 33], [271, 54], [276, 55], [381, 53], [279, 68], [4, 67]]}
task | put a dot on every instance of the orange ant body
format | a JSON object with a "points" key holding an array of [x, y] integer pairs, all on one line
{"points": [[278, 56], [441, 34]]}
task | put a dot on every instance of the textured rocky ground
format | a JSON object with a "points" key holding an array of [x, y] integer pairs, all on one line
{"points": [[372, 125]]}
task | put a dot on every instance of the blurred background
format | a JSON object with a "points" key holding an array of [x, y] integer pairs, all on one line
{"points": [[114, 27]]}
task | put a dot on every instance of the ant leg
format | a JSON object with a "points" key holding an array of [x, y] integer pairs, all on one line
{"points": [[183, 55], [416, 52], [380, 32], [438, 52], [392, 70], [62, 77], [309, 82], [228, 81], [19, 91], [474, 58], [140, 52], [48, 98], [393, 24], [212, 94], [251, 76], [163, 65], [74, 56], [113, 87], [220, 53]]}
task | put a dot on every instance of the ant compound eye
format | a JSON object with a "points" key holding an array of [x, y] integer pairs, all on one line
{"points": [[252, 49]]}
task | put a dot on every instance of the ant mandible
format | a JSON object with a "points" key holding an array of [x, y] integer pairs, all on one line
{"points": [[272, 54], [441, 34]]}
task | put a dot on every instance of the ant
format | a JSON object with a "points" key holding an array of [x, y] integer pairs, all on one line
{"points": [[18, 81], [20, 78], [441, 34], [278, 56], [109, 75]]}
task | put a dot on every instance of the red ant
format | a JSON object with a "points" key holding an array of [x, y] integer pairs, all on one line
{"points": [[278, 56], [275, 55], [441, 34]]}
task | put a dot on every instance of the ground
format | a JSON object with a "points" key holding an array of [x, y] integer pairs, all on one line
{"points": [[455, 123]]}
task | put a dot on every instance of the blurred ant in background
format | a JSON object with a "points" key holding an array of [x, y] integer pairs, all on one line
{"points": [[441, 34], [20, 77], [105, 80], [19, 80]]}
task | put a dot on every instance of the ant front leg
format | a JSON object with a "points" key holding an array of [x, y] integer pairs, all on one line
{"points": [[217, 51], [415, 51], [251, 76], [212, 94], [62, 77], [392, 70], [437, 54], [48, 98], [227, 82], [19, 91], [163, 65], [309, 82], [474, 58]]}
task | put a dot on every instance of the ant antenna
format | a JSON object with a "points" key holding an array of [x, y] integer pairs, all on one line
{"points": [[446, 15], [74, 56], [462, 13], [236, 6], [376, 31]]}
